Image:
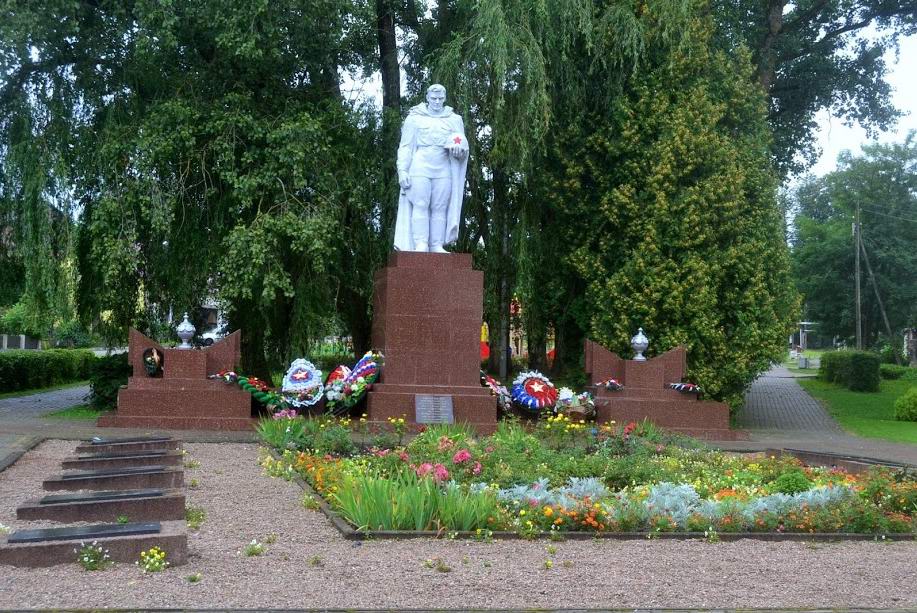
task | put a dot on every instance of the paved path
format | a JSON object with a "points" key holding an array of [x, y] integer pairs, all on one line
{"points": [[36, 405], [778, 413], [776, 402]]}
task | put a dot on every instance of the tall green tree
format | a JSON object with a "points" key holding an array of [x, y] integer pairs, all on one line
{"points": [[883, 182], [680, 229], [814, 55]]}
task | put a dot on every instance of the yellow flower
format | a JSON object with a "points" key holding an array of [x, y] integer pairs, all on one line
{"points": [[522, 512], [548, 511]]}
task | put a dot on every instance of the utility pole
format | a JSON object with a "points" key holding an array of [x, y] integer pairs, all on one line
{"points": [[859, 312], [875, 288]]}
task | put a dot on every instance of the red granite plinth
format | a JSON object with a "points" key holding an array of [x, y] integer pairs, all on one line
{"points": [[427, 322], [646, 395], [133, 447], [183, 398], [170, 478], [171, 505], [170, 458], [172, 539]]}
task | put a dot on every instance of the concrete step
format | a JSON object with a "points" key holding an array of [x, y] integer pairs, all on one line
{"points": [[138, 477], [136, 505], [162, 457], [128, 445], [169, 422], [58, 547]]}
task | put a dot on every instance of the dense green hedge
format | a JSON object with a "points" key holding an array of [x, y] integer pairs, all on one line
{"points": [[893, 371], [856, 370], [22, 370], [107, 376], [906, 406]]}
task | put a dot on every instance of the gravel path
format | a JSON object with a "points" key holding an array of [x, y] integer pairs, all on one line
{"points": [[310, 565]]}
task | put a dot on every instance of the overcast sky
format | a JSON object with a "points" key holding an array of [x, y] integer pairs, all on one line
{"points": [[835, 137]]}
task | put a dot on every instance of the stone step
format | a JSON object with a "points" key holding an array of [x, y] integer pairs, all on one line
{"points": [[124, 542], [178, 423], [128, 446], [136, 505], [137, 477], [163, 457]]}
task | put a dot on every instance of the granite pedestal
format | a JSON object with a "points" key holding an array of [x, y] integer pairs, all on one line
{"points": [[427, 322], [182, 398], [646, 395]]}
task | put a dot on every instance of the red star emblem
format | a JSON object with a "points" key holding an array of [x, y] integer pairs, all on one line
{"points": [[300, 375], [457, 140]]}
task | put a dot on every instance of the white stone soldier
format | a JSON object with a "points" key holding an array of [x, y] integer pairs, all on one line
{"points": [[432, 160]]}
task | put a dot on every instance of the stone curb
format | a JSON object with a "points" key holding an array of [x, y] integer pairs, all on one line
{"points": [[350, 533], [19, 450]]}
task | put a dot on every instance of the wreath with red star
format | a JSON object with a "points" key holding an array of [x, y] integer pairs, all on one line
{"points": [[533, 391]]}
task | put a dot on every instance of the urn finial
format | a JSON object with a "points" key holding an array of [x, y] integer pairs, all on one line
{"points": [[185, 332], [639, 343]]}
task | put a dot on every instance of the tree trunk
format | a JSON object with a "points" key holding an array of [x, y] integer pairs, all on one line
{"points": [[354, 309], [388, 55], [568, 346], [766, 58]]}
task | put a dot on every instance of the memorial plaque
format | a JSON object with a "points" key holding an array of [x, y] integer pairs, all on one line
{"points": [[433, 409], [84, 533], [100, 496], [113, 472], [96, 440], [121, 456]]}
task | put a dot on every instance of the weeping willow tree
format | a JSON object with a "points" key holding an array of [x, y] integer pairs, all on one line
{"points": [[206, 150]]}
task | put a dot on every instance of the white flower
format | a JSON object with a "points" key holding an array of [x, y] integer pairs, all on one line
{"points": [[565, 393]]}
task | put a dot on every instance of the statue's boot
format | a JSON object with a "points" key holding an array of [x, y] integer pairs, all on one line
{"points": [[437, 231], [420, 227]]}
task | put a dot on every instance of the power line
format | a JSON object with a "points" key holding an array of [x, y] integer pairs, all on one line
{"points": [[874, 212]]}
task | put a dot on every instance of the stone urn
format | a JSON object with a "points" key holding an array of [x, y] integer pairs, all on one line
{"points": [[639, 343], [185, 332]]}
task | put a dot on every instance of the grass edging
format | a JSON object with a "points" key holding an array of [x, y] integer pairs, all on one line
{"points": [[347, 530]]}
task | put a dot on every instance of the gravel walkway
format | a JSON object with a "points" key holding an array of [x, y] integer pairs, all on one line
{"points": [[310, 565]]}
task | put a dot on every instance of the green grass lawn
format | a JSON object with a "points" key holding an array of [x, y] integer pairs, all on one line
{"points": [[81, 412], [42, 389], [871, 415]]}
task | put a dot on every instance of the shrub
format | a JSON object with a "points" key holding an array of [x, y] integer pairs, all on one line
{"points": [[906, 406], [892, 371], [834, 365], [791, 482], [21, 369], [856, 370], [864, 372], [72, 334], [16, 320], [107, 376]]}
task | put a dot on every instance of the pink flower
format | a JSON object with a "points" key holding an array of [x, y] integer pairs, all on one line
{"points": [[424, 469], [404, 456], [381, 453], [445, 443], [489, 449], [440, 473], [462, 456], [477, 469]]}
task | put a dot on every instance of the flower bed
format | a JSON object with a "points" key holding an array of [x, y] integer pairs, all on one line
{"points": [[576, 478]]}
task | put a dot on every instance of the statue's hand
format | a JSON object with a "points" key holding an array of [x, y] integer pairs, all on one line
{"points": [[457, 152], [404, 180]]}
